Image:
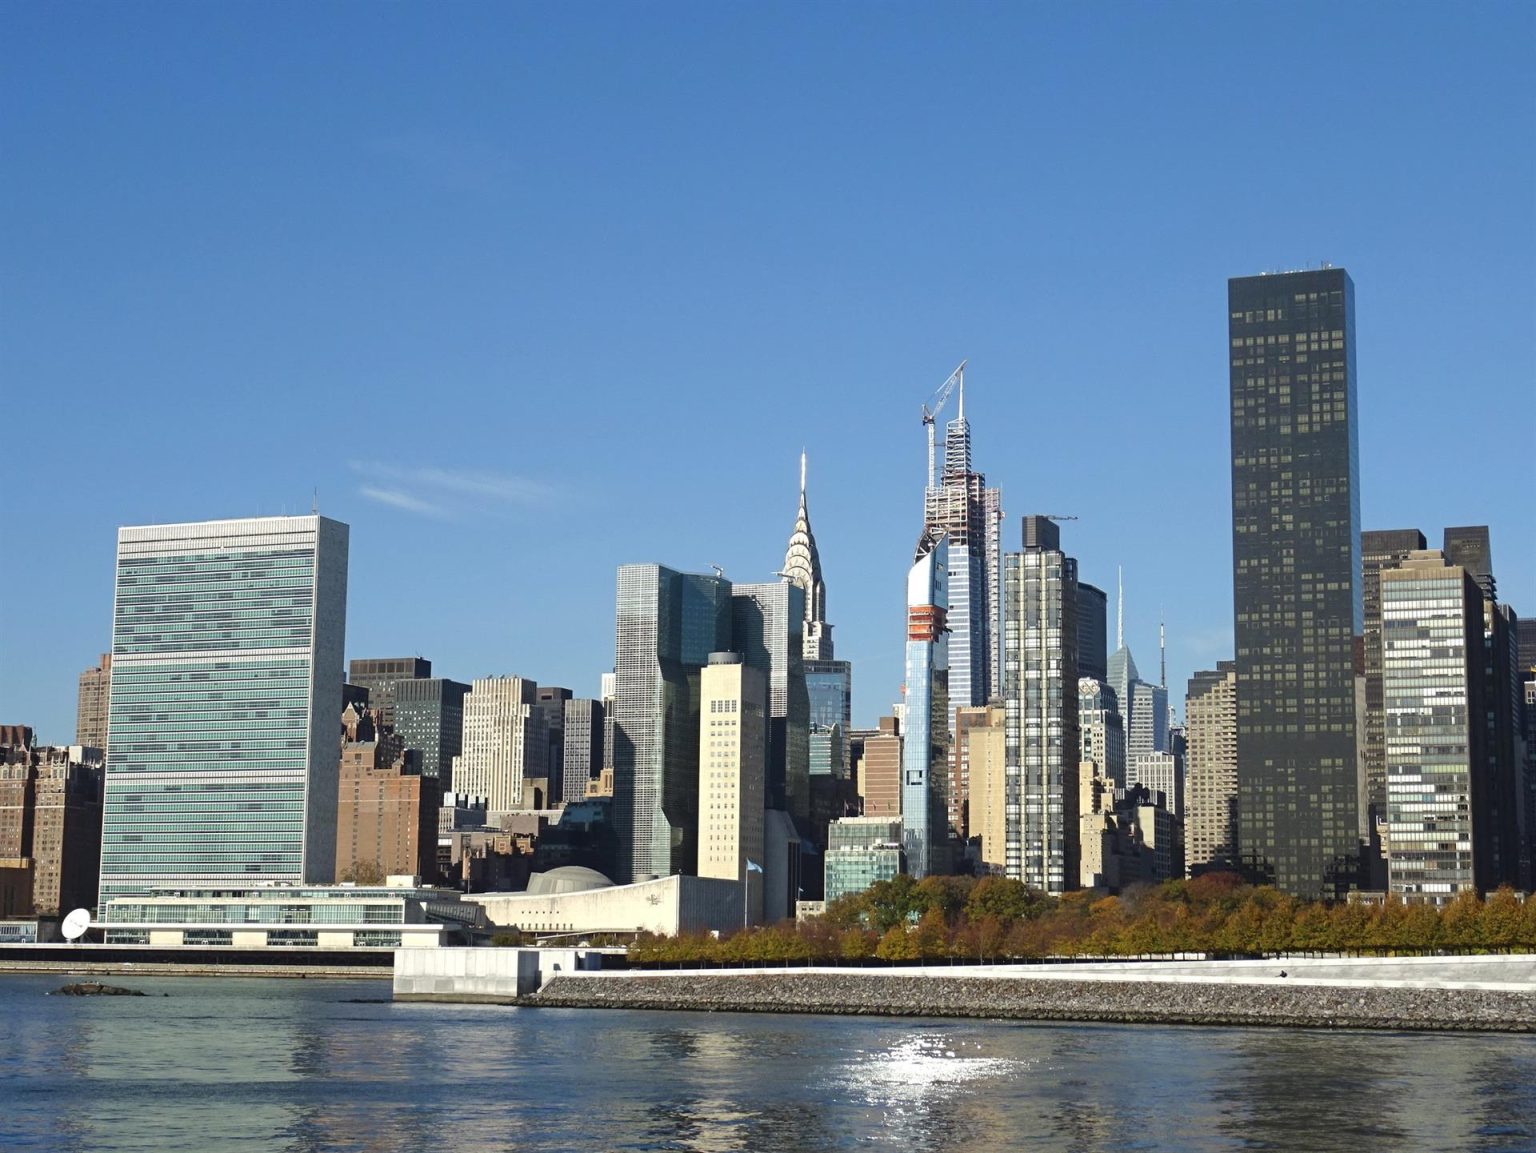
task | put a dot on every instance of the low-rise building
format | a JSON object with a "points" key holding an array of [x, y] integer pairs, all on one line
{"points": [[398, 915], [583, 902], [861, 851]]}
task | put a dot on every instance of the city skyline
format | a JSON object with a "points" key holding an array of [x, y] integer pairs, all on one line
{"points": [[830, 344]]}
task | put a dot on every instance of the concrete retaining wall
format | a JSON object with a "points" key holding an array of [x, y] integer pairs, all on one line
{"points": [[934, 993], [489, 976]]}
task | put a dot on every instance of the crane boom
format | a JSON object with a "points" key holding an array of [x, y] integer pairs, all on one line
{"points": [[931, 410]]}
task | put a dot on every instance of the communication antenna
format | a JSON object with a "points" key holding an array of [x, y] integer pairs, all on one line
{"points": [[75, 925]]}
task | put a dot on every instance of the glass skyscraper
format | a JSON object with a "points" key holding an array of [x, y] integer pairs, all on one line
{"points": [[925, 733], [1040, 689], [1296, 575], [959, 505], [429, 716], [668, 624], [227, 646]]}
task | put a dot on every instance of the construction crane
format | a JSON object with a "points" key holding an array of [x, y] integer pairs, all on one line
{"points": [[1056, 516], [930, 415]]}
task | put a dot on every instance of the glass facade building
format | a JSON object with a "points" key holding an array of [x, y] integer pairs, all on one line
{"points": [[225, 702], [861, 851], [429, 716], [925, 733], [767, 628], [959, 506], [667, 625], [1296, 583], [381, 675], [1432, 682], [1040, 689]]}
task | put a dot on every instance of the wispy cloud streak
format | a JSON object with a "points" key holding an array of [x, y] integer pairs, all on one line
{"points": [[401, 500], [442, 492]]}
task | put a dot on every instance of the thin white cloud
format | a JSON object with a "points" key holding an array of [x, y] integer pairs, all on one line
{"points": [[401, 500], [445, 492]]}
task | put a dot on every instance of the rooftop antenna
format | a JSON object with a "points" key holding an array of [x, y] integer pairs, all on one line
{"points": [[1120, 607], [1162, 650], [314, 504]]}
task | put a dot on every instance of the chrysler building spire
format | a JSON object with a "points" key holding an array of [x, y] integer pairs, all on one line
{"points": [[802, 566]]}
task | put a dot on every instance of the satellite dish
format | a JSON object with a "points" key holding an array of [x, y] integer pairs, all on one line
{"points": [[76, 924]]}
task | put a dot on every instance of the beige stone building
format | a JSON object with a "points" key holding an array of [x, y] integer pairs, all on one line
{"points": [[733, 745], [979, 748], [1210, 756], [503, 742]]}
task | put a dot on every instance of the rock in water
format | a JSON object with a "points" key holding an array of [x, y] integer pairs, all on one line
{"points": [[97, 989]]}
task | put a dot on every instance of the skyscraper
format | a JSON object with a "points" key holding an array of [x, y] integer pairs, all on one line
{"points": [[1092, 632], [1210, 712], [226, 677], [733, 740], [504, 742], [1101, 730], [1379, 550], [958, 506], [828, 682], [767, 620], [802, 567], [1469, 546], [1040, 690], [1296, 584], [380, 676], [1440, 800], [925, 733], [91, 708], [429, 716], [667, 625], [585, 728]]}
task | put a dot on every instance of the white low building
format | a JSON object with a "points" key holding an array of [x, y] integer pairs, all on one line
{"points": [[578, 901], [398, 915]]}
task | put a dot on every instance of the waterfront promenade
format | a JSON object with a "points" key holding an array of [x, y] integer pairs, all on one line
{"points": [[1482, 993]]}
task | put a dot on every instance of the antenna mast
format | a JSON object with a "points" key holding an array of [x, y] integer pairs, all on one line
{"points": [[1120, 607]]}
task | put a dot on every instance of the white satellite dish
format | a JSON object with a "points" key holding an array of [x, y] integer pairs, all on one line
{"points": [[76, 924]]}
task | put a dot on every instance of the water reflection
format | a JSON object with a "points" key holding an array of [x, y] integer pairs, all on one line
{"points": [[296, 1068]]}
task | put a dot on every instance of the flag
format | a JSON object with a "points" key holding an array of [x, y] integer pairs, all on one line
{"points": [[753, 866]]}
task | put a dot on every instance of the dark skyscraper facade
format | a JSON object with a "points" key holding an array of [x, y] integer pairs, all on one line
{"points": [[1092, 633], [1296, 584], [429, 716]]}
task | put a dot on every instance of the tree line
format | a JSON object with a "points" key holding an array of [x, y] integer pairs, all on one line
{"points": [[996, 919]]}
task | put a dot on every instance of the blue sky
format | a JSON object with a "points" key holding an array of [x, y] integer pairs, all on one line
{"points": [[527, 292]]}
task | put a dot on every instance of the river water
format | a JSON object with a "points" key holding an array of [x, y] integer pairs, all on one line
{"points": [[304, 1066]]}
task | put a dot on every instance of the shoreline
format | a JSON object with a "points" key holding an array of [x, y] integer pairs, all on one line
{"points": [[1304, 1005], [192, 969]]}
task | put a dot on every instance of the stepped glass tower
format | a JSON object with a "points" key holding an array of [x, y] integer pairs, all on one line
{"points": [[958, 505]]}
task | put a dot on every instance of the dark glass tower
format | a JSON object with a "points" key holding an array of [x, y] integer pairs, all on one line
{"points": [[1295, 575]]}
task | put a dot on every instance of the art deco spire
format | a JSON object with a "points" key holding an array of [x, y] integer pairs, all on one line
{"points": [[802, 566]]}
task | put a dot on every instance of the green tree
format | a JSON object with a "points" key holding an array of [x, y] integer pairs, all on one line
{"points": [[896, 945], [1005, 899], [1461, 921], [1501, 920], [893, 902], [855, 944], [930, 939]]}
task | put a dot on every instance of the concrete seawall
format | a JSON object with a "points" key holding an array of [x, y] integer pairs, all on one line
{"points": [[1130, 997]]}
